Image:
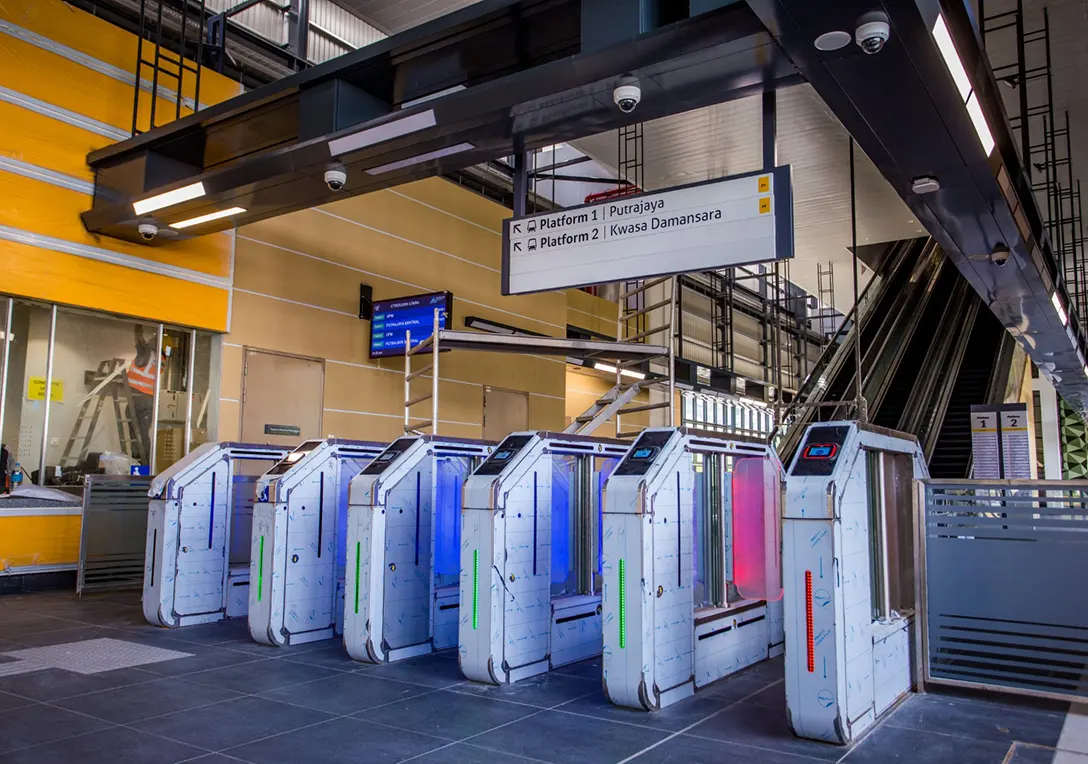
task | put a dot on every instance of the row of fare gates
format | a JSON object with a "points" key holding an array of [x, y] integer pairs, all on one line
{"points": [[681, 558]]}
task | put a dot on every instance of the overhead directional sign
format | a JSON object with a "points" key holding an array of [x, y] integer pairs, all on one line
{"points": [[738, 220]]}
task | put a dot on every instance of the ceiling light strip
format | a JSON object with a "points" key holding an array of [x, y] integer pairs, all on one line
{"points": [[208, 218], [169, 198], [383, 132], [421, 158], [955, 67]]}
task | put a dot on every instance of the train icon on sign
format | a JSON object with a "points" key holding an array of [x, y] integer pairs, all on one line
{"points": [[532, 244], [531, 226]]}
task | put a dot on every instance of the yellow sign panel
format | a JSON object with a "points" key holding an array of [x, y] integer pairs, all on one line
{"points": [[35, 390], [764, 183], [764, 205]]}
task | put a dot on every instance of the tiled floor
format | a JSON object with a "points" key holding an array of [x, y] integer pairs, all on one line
{"points": [[231, 700]]}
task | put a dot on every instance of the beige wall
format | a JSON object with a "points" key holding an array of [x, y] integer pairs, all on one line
{"points": [[296, 290]]}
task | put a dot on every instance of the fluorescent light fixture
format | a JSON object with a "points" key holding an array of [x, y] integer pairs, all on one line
{"points": [[386, 131], [974, 111], [168, 198], [432, 96], [208, 218], [1086, 371], [951, 57], [954, 65], [421, 158], [612, 370], [1057, 302]]}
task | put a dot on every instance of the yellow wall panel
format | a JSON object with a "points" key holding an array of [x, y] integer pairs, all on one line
{"points": [[99, 39], [230, 420], [230, 375], [441, 193], [50, 276], [342, 242], [39, 207], [48, 77], [590, 312], [46, 142], [39, 540]]}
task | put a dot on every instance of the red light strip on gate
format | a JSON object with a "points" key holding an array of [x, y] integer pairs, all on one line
{"points": [[809, 635]]}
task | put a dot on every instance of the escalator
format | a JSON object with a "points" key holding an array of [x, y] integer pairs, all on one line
{"points": [[929, 351]]}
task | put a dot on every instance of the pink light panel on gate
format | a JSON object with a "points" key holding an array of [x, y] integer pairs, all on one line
{"points": [[757, 571]]}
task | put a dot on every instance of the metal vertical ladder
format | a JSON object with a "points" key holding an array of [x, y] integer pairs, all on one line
{"points": [[161, 58], [415, 426]]}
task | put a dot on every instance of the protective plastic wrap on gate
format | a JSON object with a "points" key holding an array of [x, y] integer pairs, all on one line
{"points": [[757, 498]]}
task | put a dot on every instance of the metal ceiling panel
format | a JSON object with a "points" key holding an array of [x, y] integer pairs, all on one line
{"points": [[905, 111], [393, 16], [727, 139], [523, 73]]}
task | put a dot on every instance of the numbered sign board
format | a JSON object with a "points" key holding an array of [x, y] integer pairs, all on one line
{"points": [[739, 220], [1001, 442]]}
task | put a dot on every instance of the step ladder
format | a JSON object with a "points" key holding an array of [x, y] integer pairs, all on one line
{"points": [[632, 321], [109, 385]]}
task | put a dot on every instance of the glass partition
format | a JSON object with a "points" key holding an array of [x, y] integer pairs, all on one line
{"points": [[122, 396]]}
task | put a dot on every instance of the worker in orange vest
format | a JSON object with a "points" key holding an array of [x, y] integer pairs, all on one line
{"points": [[141, 380]]}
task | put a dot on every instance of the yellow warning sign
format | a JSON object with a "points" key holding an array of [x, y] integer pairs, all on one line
{"points": [[764, 183], [764, 205], [35, 390]]}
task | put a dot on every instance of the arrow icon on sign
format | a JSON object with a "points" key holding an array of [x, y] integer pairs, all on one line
{"points": [[517, 228], [517, 246]]}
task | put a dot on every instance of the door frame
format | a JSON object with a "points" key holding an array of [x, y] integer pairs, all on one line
{"points": [[242, 406], [483, 407]]}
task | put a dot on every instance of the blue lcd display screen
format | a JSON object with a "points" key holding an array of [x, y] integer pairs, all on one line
{"points": [[393, 319], [642, 453], [821, 451]]}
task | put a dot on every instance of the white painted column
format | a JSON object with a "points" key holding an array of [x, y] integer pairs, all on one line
{"points": [[1052, 441]]}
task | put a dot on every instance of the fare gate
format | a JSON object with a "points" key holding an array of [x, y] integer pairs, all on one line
{"points": [[1003, 602]]}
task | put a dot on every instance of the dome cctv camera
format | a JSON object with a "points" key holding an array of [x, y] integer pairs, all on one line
{"points": [[1000, 255], [335, 179], [627, 94], [873, 30], [148, 231]]}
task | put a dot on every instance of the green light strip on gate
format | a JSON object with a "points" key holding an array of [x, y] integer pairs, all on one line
{"points": [[260, 572], [475, 588], [623, 605], [358, 554]]}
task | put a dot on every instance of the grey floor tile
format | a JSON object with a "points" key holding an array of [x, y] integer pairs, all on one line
{"points": [[761, 728], [79, 633], [36, 724], [466, 753], [232, 723], [116, 745], [1030, 754], [1074, 735], [436, 670], [143, 701], [973, 718], [770, 697], [888, 744], [1068, 757], [566, 738], [57, 684], [213, 758], [35, 624], [203, 659], [260, 677], [332, 656], [344, 694], [684, 749], [544, 691], [340, 741], [588, 669], [674, 718], [7, 700], [446, 714]]}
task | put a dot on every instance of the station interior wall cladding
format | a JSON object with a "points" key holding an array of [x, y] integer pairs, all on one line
{"points": [[288, 285]]}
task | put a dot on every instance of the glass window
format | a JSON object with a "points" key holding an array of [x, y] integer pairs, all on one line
{"points": [[27, 341], [205, 421], [101, 416]]}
